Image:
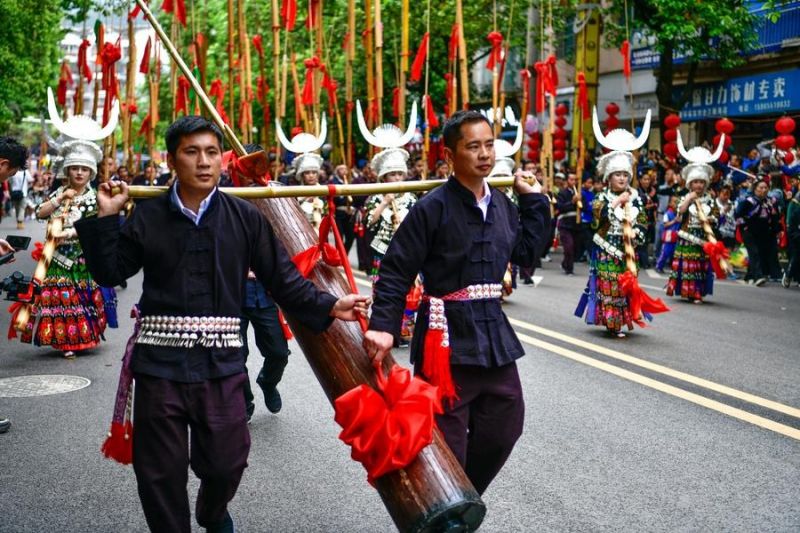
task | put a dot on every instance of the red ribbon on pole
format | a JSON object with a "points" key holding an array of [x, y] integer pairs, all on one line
{"points": [[396, 102], [182, 98], [330, 85], [552, 75], [583, 96], [83, 64], [177, 8], [541, 83], [313, 15], [217, 90], [448, 87], [388, 427], [144, 66], [419, 59], [259, 44], [495, 38], [525, 76], [717, 252], [346, 41], [639, 300], [430, 115], [452, 46], [625, 50], [145, 127], [289, 14], [311, 64]]}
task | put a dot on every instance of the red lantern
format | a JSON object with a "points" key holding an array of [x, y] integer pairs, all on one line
{"points": [[784, 142], [724, 125], [670, 150], [533, 155], [612, 109], [560, 134], [558, 155], [788, 158], [672, 121], [560, 122], [724, 157], [612, 123], [561, 110], [728, 140], [785, 125], [671, 135], [559, 145]]}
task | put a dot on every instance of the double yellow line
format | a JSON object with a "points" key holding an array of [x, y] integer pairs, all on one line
{"points": [[677, 392]]}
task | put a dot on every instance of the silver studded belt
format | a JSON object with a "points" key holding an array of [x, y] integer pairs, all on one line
{"points": [[190, 331]]}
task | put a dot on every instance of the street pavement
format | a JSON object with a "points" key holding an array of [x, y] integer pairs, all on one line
{"points": [[690, 424]]}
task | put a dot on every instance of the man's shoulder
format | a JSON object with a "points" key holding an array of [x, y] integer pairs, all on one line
{"points": [[240, 205]]}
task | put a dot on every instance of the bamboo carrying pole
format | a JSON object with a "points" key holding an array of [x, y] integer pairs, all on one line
{"points": [[404, 14], [432, 493], [379, 61], [369, 53], [231, 62], [276, 80], [130, 99], [723, 263], [348, 71], [462, 57]]}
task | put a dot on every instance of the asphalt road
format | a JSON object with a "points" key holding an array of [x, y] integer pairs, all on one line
{"points": [[690, 424]]}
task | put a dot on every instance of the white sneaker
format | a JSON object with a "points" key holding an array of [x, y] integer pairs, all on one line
{"points": [[546, 259], [760, 281]]}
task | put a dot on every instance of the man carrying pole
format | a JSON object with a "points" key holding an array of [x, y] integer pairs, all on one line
{"points": [[461, 237]]}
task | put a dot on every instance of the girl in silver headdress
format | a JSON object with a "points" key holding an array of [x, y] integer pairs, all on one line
{"points": [[71, 307], [692, 275], [307, 165], [617, 205]]}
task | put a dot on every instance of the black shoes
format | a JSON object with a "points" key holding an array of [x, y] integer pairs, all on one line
{"points": [[249, 409], [5, 425], [223, 526], [272, 398]]}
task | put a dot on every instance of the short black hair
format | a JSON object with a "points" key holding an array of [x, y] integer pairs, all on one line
{"points": [[186, 126], [452, 127], [253, 148], [16, 153]]}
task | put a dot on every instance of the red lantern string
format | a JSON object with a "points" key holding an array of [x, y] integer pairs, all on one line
{"points": [[419, 59]]}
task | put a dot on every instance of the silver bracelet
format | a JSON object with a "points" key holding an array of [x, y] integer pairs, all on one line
{"points": [[55, 203]]}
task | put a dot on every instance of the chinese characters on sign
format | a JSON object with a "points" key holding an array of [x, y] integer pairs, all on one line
{"points": [[768, 93]]}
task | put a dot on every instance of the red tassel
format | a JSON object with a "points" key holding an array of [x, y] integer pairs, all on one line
{"points": [[419, 59], [430, 115], [287, 332], [308, 87], [716, 254], [61, 92], [289, 14], [396, 102], [182, 98], [83, 64], [330, 85], [313, 15], [625, 50], [436, 364], [541, 83], [259, 45], [496, 53], [640, 302], [452, 47], [178, 8], [144, 66], [583, 96], [119, 443], [552, 75]]}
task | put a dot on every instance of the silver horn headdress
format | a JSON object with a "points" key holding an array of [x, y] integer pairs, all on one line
{"points": [[80, 132], [621, 143], [699, 160], [305, 145], [393, 157], [504, 153]]}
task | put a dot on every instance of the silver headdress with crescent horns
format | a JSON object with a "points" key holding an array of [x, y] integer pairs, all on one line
{"points": [[621, 143], [699, 160], [305, 145], [393, 158], [504, 153], [80, 131]]}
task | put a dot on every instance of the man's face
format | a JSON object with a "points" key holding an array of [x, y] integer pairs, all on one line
{"points": [[669, 176], [473, 157], [123, 174], [572, 180], [197, 161], [6, 170], [419, 167], [588, 184]]}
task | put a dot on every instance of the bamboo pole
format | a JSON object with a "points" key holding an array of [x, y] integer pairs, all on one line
{"points": [[130, 99], [369, 53], [276, 87], [351, 56], [379, 61], [173, 70], [462, 56], [404, 36], [231, 46], [244, 76], [296, 191], [298, 95], [426, 145]]}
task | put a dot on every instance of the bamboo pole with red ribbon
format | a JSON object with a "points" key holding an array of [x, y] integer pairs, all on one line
{"points": [[99, 41], [715, 250], [378, 63], [462, 56], [276, 77], [350, 56], [404, 36], [369, 56], [129, 108], [430, 115]]}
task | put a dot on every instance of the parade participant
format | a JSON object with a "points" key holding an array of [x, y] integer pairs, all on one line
{"points": [[461, 236], [567, 222], [692, 275], [13, 157], [71, 309], [669, 237], [307, 166], [346, 207], [648, 193], [616, 208], [587, 198], [195, 244], [385, 212]]}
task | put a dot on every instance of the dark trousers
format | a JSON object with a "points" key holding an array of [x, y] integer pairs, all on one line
{"points": [[793, 268], [270, 341], [569, 241], [485, 422], [164, 411], [762, 254], [344, 223]]}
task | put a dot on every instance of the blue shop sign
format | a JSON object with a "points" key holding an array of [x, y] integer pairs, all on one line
{"points": [[762, 94]]}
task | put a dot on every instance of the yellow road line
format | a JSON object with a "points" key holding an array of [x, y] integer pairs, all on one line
{"points": [[665, 388], [694, 380]]}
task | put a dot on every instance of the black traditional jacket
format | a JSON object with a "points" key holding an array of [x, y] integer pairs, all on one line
{"points": [[445, 238], [198, 270]]}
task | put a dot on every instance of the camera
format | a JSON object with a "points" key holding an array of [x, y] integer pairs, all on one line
{"points": [[16, 287]]}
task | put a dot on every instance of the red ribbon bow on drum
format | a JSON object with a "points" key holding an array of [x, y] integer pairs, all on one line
{"points": [[386, 429], [717, 253], [639, 300]]}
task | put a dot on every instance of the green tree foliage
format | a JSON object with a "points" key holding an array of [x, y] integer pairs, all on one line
{"points": [[29, 56]]}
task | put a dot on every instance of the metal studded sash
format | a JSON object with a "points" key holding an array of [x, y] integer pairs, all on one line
{"points": [[607, 246], [685, 235], [436, 316], [190, 331]]}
